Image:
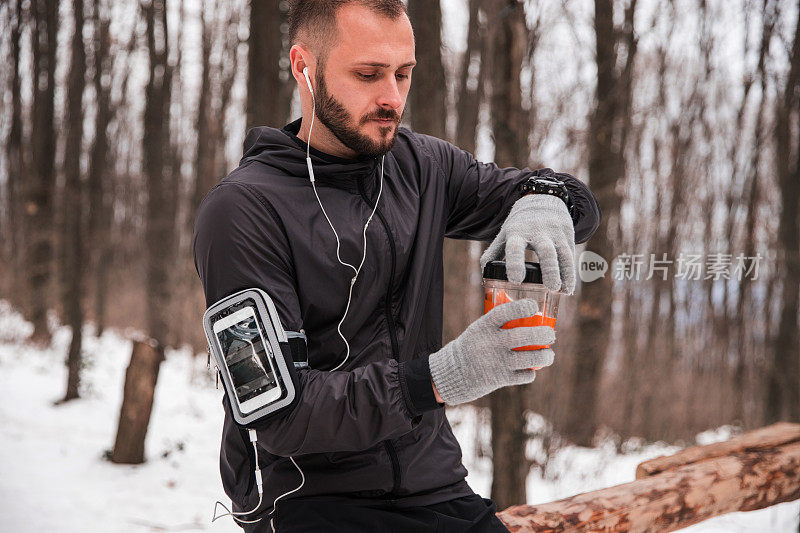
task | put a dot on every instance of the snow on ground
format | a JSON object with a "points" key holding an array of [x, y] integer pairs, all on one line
{"points": [[55, 479]]}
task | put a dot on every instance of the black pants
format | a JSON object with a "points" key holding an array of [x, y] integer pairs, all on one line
{"points": [[471, 514]]}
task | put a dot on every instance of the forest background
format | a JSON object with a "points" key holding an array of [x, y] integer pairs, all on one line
{"points": [[682, 116]]}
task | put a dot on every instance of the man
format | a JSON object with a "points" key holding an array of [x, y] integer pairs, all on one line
{"points": [[369, 433]]}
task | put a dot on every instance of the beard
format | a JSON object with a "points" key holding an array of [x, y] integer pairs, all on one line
{"points": [[336, 118]]}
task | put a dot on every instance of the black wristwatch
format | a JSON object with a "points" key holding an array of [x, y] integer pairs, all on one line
{"points": [[548, 185]]}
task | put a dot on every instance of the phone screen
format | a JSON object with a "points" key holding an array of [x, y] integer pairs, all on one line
{"points": [[248, 358]]}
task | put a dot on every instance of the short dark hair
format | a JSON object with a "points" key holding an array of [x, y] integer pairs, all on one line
{"points": [[319, 17]]}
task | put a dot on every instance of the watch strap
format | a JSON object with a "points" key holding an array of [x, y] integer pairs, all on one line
{"points": [[547, 184]]}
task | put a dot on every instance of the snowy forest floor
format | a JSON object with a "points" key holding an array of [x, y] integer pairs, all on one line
{"points": [[55, 477]]}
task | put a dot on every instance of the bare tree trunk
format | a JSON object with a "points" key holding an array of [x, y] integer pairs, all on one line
{"points": [[268, 94], [471, 81], [631, 372], [159, 235], [462, 301], [783, 397], [509, 40], [72, 267], [204, 158], [103, 167], [657, 357], [173, 178], [428, 92], [227, 68], [99, 169], [680, 143], [509, 47], [156, 150], [428, 115], [38, 206], [751, 202], [16, 157], [210, 164], [608, 130]]}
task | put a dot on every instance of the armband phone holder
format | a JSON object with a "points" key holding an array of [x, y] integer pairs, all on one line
{"points": [[256, 358]]}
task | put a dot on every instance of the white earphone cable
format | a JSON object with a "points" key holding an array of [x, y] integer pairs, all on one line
{"points": [[335, 233], [338, 327], [253, 436], [259, 484]]}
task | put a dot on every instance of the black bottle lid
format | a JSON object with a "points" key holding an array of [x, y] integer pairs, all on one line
{"points": [[497, 270]]}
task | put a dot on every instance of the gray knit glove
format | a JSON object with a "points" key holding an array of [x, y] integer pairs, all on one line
{"points": [[543, 222], [481, 359]]}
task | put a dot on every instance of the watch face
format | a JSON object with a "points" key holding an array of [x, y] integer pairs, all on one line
{"points": [[546, 180]]}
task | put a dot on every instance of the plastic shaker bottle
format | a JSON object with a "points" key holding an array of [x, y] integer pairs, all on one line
{"points": [[498, 290]]}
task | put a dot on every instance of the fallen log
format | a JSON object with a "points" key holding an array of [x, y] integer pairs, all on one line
{"points": [[743, 480], [762, 438]]}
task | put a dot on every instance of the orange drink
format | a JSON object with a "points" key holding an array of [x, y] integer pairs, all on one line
{"points": [[498, 290], [539, 319]]}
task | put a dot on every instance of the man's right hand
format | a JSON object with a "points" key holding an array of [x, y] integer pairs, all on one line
{"points": [[481, 359]]}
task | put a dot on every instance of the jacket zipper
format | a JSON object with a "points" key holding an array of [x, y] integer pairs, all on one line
{"points": [[392, 331]]}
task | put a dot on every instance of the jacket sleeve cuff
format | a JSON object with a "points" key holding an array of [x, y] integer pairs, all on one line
{"points": [[415, 382]]}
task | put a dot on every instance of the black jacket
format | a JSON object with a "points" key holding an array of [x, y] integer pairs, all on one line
{"points": [[373, 428]]}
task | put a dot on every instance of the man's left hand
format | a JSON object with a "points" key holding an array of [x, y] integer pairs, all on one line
{"points": [[543, 222]]}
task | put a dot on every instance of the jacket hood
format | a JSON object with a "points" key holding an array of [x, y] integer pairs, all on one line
{"points": [[283, 150]]}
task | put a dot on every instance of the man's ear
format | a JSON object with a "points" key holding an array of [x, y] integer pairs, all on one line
{"points": [[299, 58]]}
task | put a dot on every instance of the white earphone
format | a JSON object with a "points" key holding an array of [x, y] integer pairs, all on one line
{"points": [[253, 436], [338, 244], [308, 81]]}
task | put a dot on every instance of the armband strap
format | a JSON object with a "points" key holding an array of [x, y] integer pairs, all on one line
{"points": [[298, 348]]}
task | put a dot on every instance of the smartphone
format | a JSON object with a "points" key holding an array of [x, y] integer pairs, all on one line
{"points": [[248, 359]]}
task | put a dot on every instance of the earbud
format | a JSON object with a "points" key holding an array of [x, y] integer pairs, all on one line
{"points": [[308, 81], [308, 148]]}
